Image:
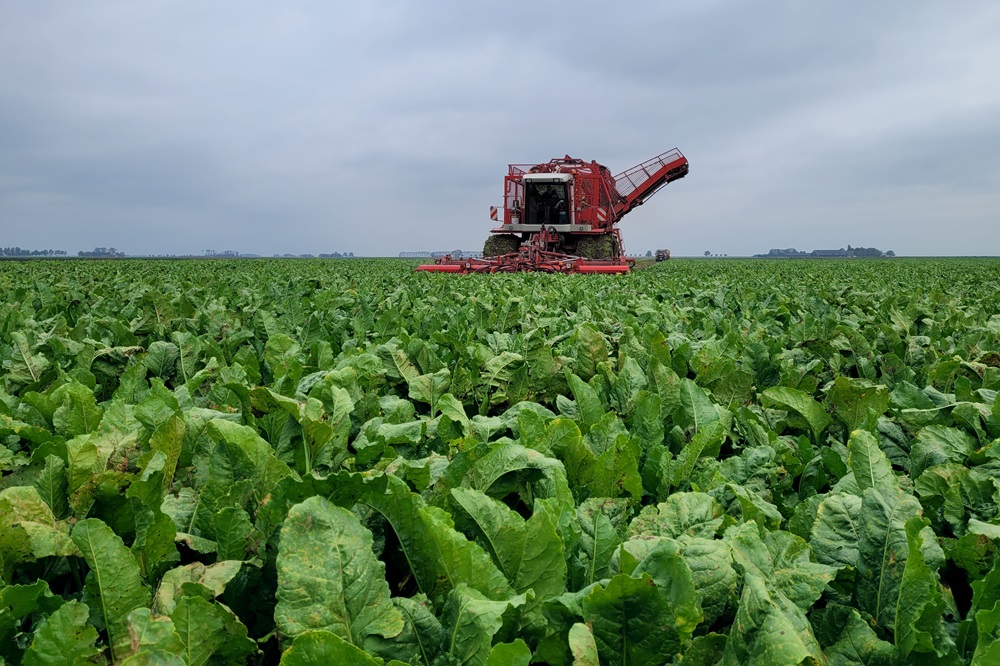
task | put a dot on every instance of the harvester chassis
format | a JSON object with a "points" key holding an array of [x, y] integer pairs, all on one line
{"points": [[560, 211], [535, 255]]}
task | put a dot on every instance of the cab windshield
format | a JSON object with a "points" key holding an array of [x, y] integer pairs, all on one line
{"points": [[545, 203]]}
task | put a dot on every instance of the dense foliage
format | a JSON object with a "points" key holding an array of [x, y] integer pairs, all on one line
{"points": [[735, 462]]}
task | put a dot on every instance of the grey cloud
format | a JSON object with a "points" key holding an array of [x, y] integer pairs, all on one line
{"points": [[387, 126]]}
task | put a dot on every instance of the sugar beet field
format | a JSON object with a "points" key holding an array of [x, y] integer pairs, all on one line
{"points": [[344, 462]]}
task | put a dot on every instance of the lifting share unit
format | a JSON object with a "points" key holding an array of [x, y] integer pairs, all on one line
{"points": [[562, 216]]}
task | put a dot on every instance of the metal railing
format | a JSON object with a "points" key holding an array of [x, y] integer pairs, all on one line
{"points": [[631, 179]]}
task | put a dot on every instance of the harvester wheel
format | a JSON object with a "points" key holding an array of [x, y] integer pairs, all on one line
{"points": [[498, 244], [597, 247]]}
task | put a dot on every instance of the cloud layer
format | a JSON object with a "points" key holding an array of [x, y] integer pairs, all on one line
{"points": [[172, 127]]}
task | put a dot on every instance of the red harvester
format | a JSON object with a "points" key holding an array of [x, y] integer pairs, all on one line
{"points": [[562, 216]]}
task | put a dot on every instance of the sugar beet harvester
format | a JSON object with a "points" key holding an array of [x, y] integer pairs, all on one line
{"points": [[562, 216]]}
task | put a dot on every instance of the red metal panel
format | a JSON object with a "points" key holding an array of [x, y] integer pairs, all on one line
{"points": [[614, 268], [442, 268]]}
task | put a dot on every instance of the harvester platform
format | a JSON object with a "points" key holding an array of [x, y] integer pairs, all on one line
{"points": [[515, 263], [533, 256]]}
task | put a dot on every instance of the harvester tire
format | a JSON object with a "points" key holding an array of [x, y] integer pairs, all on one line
{"points": [[597, 247], [498, 244]]}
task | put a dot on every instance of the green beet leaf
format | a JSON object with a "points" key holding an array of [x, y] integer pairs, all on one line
{"points": [[28, 529], [209, 631], [114, 585], [328, 577], [213, 578], [18, 603], [784, 560], [834, 535], [954, 495], [589, 409], [882, 552], [697, 411], [594, 554], [168, 439], [755, 508], [802, 404], [919, 625], [233, 531], [252, 458], [857, 403], [675, 582], [52, 485], [470, 620], [985, 614], [583, 646], [439, 556], [529, 552], [987, 650], [858, 645], [507, 460], [935, 445], [694, 514], [161, 359], [420, 640], [769, 629], [706, 650], [509, 654], [591, 349], [154, 547], [151, 637], [627, 386], [66, 639], [870, 466], [25, 366], [612, 472], [634, 622], [78, 412], [322, 648], [706, 442], [26, 431], [430, 388], [715, 579]]}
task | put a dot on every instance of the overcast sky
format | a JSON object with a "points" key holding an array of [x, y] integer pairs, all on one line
{"points": [[377, 127]]}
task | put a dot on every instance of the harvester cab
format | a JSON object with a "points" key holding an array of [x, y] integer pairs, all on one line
{"points": [[546, 197], [561, 216]]}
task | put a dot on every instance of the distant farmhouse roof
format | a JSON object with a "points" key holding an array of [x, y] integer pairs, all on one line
{"points": [[829, 253]]}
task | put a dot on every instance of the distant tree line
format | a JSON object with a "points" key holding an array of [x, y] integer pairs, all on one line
{"points": [[868, 252], [873, 252], [437, 254], [331, 255], [18, 252], [105, 252]]}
